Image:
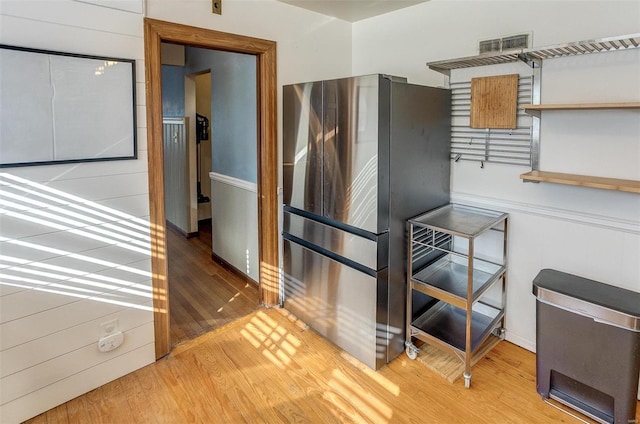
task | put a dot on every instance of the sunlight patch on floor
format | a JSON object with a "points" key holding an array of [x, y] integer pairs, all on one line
{"points": [[382, 381], [365, 403], [220, 309], [276, 343]]}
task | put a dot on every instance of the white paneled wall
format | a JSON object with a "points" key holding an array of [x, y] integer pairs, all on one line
{"points": [[74, 239], [68, 264], [234, 222]]}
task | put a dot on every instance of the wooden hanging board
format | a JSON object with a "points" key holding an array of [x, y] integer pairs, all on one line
{"points": [[494, 102]]}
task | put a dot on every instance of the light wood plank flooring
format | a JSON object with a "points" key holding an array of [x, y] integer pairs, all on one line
{"points": [[203, 295], [268, 368]]}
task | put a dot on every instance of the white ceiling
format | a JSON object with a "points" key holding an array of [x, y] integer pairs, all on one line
{"points": [[353, 10]]}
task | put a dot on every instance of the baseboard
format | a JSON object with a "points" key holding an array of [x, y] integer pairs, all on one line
{"points": [[520, 341], [226, 265], [179, 230]]}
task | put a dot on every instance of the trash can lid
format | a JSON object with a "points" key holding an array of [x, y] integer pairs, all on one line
{"points": [[605, 295]]}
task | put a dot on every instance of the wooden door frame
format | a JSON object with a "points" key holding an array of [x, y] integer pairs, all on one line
{"points": [[155, 32]]}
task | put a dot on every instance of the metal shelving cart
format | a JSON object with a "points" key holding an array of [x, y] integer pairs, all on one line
{"points": [[456, 313]]}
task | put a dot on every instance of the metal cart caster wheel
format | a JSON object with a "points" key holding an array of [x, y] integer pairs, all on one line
{"points": [[412, 352], [467, 381], [500, 332]]}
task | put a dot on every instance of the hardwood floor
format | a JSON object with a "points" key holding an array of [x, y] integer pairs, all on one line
{"points": [[268, 368], [203, 295]]}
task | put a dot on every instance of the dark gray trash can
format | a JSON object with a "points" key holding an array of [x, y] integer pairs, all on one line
{"points": [[588, 345]]}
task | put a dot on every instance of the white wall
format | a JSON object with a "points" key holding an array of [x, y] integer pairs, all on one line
{"points": [[48, 340], [234, 227], [80, 256], [311, 46], [589, 232]]}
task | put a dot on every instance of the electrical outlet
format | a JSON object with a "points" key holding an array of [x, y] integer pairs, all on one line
{"points": [[110, 342]]}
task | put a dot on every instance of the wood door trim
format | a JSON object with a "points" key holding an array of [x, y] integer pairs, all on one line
{"points": [[155, 32]]}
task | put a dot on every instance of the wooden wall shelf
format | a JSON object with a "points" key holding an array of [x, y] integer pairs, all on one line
{"points": [[631, 186], [535, 109]]}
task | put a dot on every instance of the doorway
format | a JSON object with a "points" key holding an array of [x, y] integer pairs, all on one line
{"points": [[265, 51], [213, 94]]}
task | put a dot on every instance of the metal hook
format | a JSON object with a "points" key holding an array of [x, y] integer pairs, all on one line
{"points": [[487, 141]]}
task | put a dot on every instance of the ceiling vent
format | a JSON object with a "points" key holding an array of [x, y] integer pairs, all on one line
{"points": [[512, 42]]}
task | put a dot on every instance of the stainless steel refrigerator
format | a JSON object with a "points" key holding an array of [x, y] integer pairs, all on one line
{"points": [[361, 155]]}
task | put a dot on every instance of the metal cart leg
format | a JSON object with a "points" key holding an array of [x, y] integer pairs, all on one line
{"points": [[468, 351], [467, 380]]}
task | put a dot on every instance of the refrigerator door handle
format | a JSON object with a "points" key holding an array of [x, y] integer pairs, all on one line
{"points": [[329, 254]]}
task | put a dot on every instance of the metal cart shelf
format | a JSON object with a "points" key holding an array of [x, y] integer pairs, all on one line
{"points": [[442, 264], [447, 279]]}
